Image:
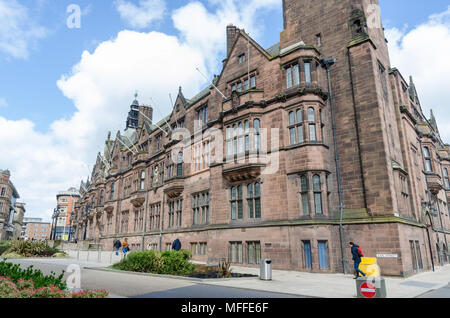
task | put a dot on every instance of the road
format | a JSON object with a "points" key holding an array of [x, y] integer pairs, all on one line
{"points": [[438, 293], [141, 286]]}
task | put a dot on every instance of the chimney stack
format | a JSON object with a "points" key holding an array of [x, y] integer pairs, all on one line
{"points": [[148, 111], [232, 33]]}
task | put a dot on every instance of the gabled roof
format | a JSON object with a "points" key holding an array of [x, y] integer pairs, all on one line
{"points": [[274, 49], [203, 93]]}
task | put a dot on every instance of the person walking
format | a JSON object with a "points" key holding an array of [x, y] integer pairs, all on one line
{"points": [[125, 247], [356, 257], [117, 245], [176, 245]]}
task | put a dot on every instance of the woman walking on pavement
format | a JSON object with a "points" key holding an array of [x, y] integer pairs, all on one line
{"points": [[125, 247]]}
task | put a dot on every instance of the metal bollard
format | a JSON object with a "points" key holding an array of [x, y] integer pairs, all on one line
{"points": [[370, 287], [99, 253], [78, 255]]}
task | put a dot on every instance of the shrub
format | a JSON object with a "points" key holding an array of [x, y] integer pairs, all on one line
{"points": [[11, 255], [26, 289], [144, 262], [177, 262], [4, 246], [30, 249], [169, 262]]}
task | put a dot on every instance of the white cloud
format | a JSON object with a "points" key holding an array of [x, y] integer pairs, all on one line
{"points": [[142, 16], [101, 87], [3, 103], [205, 30], [18, 31], [423, 53]]}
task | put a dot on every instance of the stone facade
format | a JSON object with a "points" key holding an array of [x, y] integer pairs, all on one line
{"points": [[283, 145], [11, 211], [38, 231]]}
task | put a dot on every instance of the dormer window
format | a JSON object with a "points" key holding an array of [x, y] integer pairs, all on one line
{"points": [[202, 115], [158, 142]]}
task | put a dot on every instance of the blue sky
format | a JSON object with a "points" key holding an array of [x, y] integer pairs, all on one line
{"points": [[29, 86], [62, 89]]}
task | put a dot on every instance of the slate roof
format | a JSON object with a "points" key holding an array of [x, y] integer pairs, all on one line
{"points": [[274, 49]]}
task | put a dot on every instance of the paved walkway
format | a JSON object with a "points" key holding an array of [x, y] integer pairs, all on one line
{"points": [[300, 283], [337, 285]]}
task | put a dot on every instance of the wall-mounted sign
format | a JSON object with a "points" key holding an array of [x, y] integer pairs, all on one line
{"points": [[387, 255]]}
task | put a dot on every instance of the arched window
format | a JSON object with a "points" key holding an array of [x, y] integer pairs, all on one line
{"points": [[257, 128], [233, 203], [247, 138], [102, 194], [304, 187], [111, 194], [312, 125], [317, 187], [446, 179], [180, 164], [427, 155], [291, 118], [299, 116], [142, 187], [311, 114], [241, 138]]}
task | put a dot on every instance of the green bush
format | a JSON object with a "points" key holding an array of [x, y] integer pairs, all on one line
{"points": [[169, 262], [11, 255], [4, 246], [144, 262], [32, 249], [15, 273], [177, 263]]}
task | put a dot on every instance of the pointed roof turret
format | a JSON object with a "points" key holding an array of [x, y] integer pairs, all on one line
{"points": [[433, 122]]}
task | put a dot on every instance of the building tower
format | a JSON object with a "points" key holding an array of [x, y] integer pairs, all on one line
{"points": [[133, 114]]}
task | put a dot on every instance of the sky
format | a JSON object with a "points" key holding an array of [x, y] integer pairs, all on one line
{"points": [[65, 82]]}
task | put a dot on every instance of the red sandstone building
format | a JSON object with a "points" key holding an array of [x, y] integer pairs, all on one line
{"points": [[315, 142]]}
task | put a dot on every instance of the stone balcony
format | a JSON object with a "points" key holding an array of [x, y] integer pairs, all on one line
{"points": [[245, 171], [99, 211], [138, 198], [141, 156], [109, 207], [174, 187], [434, 182]]}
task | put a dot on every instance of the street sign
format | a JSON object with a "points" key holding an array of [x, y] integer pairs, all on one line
{"points": [[368, 290], [387, 255]]}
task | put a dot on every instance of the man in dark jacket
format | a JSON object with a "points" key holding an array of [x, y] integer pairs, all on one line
{"points": [[356, 257], [176, 245], [117, 245]]}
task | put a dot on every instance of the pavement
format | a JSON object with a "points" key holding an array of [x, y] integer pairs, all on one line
{"points": [[338, 285], [287, 283]]}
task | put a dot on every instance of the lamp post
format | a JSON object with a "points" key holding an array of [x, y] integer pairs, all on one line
{"points": [[55, 221], [72, 214], [426, 205]]}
